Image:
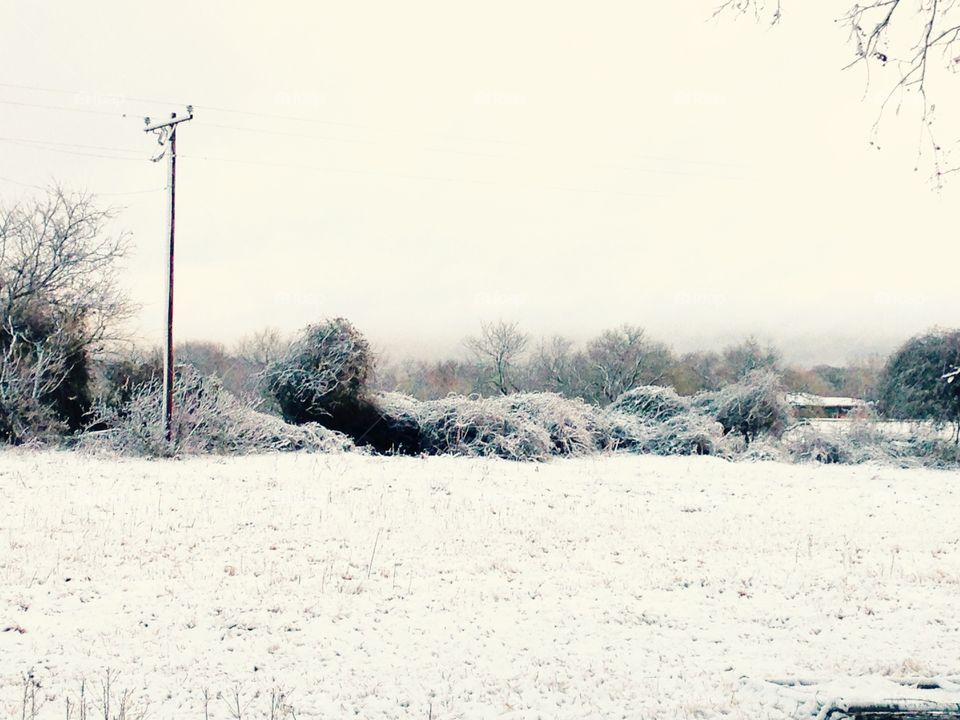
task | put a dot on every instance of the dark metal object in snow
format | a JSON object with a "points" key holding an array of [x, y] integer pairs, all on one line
{"points": [[888, 708]]}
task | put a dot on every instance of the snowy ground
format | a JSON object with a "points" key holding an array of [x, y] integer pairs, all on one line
{"points": [[887, 428], [451, 588]]}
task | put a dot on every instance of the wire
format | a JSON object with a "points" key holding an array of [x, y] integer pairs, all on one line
{"points": [[21, 184], [66, 108], [122, 192], [60, 91], [215, 108], [237, 111], [35, 141], [252, 113], [39, 146], [133, 192]]}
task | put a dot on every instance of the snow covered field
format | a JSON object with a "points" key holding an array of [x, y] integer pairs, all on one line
{"points": [[452, 588]]}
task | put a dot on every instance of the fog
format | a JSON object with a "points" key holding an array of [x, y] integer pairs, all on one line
{"points": [[423, 167]]}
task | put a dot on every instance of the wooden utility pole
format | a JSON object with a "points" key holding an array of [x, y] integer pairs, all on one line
{"points": [[167, 131]]}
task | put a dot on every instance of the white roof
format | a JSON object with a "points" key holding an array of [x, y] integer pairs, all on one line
{"points": [[809, 400]]}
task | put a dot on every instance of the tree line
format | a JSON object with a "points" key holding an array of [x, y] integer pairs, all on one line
{"points": [[502, 359], [60, 350]]}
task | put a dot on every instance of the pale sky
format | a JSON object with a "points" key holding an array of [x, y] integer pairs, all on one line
{"points": [[420, 167]]}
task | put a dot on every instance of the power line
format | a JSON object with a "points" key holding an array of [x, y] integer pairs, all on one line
{"points": [[60, 91], [66, 108], [38, 141], [240, 111], [268, 131], [40, 146], [21, 184], [236, 111], [121, 192]]}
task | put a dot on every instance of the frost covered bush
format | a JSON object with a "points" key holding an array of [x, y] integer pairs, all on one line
{"points": [[760, 450], [59, 300], [322, 378], [525, 426], [687, 433], [535, 426], [322, 375], [394, 424], [935, 452], [481, 427], [206, 419], [918, 381], [811, 445], [651, 402], [574, 427], [119, 378], [752, 407], [619, 431], [684, 434], [861, 442], [25, 411]]}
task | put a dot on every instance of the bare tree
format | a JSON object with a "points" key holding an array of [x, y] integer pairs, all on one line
{"points": [[59, 303], [56, 256], [622, 359], [751, 354], [262, 348], [552, 367], [499, 347], [697, 371], [913, 36]]}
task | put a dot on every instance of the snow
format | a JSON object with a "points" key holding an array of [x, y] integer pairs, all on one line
{"points": [[372, 587], [810, 400]]}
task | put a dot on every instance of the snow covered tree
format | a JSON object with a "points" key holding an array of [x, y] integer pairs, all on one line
{"points": [[743, 358], [751, 407], [59, 303], [916, 382], [621, 359], [325, 369], [498, 349]]}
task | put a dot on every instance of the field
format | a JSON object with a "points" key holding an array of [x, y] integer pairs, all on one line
{"points": [[608, 587]]}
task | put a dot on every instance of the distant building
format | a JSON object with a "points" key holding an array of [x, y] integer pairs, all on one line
{"points": [[806, 405]]}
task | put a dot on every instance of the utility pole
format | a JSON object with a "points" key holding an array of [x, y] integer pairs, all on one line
{"points": [[166, 130]]}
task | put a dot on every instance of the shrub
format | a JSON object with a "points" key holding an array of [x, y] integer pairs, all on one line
{"points": [[525, 426], [389, 423], [322, 375], [119, 378], [574, 427], [686, 433], [481, 427], [760, 450], [651, 402], [935, 452], [58, 297], [751, 407], [44, 375], [25, 413], [207, 420], [916, 382], [811, 445]]}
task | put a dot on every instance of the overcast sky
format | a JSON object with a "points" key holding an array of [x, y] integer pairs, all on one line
{"points": [[420, 167]]}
